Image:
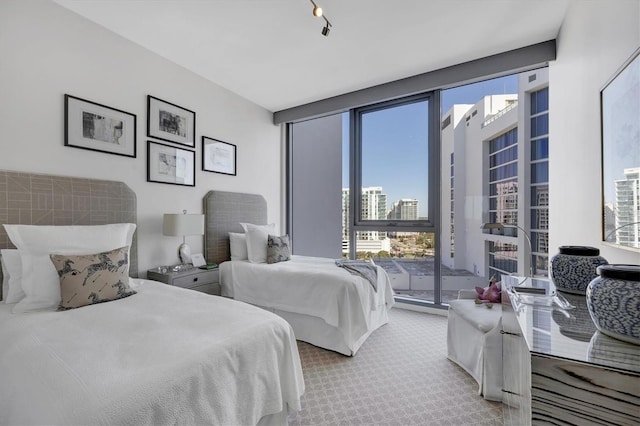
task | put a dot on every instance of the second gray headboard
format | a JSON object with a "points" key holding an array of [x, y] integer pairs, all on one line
{"points": [[223, 212]]}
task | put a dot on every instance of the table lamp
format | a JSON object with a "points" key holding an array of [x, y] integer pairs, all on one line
{"points": [[182, 225]]}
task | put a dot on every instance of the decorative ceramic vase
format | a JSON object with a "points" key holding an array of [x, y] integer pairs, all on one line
{"points": [[613, 300], [574, 267]]}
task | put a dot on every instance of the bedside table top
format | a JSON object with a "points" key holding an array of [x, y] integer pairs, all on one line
{"points": [[178, 269]]}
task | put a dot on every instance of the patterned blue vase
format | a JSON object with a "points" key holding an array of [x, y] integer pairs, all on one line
{"points": [[613, 300], [574, 267]]}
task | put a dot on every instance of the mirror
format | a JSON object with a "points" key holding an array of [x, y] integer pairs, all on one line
{"points": [[620, 127]]}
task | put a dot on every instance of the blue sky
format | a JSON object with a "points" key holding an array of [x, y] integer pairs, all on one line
{"points": [[394, 140]]}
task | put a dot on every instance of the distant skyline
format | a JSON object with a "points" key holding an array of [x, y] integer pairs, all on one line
{"points": [[402, 172]]}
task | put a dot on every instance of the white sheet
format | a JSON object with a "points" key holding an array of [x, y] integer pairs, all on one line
{"points": [[312, 286], [163, 356]]}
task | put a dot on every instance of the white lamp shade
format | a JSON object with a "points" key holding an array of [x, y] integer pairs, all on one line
{"points": [[183, 224]]}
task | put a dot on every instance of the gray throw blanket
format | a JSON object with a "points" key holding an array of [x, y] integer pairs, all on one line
{"points": [[363, 268]]}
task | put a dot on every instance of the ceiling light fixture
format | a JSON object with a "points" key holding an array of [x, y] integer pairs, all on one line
{"points": [[326, 29], [317, 11]]}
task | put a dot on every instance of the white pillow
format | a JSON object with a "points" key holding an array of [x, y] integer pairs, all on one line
{"points": [[35, 243], [257, 241], [238, 246], [11, 276]]}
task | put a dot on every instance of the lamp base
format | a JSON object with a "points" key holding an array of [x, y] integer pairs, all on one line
{"points": [[184, 253]]}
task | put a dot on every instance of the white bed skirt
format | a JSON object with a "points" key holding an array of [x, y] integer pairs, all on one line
{"points": [[317, 332]]}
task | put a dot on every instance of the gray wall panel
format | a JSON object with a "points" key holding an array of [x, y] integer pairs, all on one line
{"points": [[316, 185]]}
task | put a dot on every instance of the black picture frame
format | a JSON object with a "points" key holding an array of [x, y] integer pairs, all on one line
{"points": [[96, 127], [219, 156], [620, 149], [170, 122], [170, 164]]}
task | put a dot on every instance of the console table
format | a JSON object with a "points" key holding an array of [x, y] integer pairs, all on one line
{"points": [[558, 369]]}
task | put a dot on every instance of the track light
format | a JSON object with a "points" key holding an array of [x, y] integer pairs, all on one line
{"points": [[317, 11], [326, 29]]}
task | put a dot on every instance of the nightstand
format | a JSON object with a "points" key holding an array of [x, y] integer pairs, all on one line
{"points": [[203, 280]]}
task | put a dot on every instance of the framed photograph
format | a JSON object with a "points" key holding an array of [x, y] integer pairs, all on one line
{"points": [[171, 123], [197, 260], [620, 115], [218, 156], [88, 125], [168, 164]]}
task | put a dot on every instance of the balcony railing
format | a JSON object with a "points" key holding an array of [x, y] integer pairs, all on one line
{"points": [[499, 114]]}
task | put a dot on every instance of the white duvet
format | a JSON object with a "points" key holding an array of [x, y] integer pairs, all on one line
{"points": [[163, 356], [310, 286]]}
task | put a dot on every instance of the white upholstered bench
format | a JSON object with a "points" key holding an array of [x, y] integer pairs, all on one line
{"points": [[474, 342]]}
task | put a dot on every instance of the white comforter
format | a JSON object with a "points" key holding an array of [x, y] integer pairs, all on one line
{"points": [[163, 356], [310, 286]]}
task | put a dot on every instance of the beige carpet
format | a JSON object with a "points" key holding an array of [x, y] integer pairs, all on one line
{"points": [[400, 376]]}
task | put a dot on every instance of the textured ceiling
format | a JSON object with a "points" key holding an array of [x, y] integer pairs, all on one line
{"points": [[272, 52]]}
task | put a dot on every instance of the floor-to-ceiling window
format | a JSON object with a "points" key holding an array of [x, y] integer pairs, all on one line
{"points": [[491, 164], [393, 204]]}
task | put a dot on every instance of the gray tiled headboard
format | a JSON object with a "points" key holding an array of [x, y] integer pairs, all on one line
{"points": [[38, 199], [223, 212]]}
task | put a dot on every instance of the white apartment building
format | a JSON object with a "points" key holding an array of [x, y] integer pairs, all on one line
{"points": [[495, 169], [374, 207], [627, 208], [404, 209]]}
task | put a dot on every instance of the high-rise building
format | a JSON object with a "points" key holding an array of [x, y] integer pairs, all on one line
{"points": [[404, 209], [627, 208], [374, 207], [495, 154]]}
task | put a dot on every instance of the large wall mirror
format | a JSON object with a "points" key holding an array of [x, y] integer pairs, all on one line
{"points": [[620, 114]]}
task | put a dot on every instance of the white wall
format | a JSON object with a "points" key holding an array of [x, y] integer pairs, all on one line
{"points": [[597, 36], [47, 51]]}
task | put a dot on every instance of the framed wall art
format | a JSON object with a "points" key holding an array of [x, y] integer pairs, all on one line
{"points": [[96, 127], [620, 127], [218, 156], [168, 164], [171, 123]]}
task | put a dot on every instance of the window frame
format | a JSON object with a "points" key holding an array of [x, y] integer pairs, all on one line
{"points": [[355, 172]]}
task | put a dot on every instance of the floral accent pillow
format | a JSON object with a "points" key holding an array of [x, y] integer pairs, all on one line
{"points": [[278, 249], [92, 278]]}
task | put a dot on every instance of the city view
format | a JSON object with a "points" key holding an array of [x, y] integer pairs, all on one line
{"points": [[494, 168]]}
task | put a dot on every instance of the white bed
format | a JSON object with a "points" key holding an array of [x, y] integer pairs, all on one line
{"points": [[82, 343], [327, 306], [163, 356]]}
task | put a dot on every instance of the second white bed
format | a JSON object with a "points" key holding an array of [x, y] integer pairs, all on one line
{"points": [[326, 306]]}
